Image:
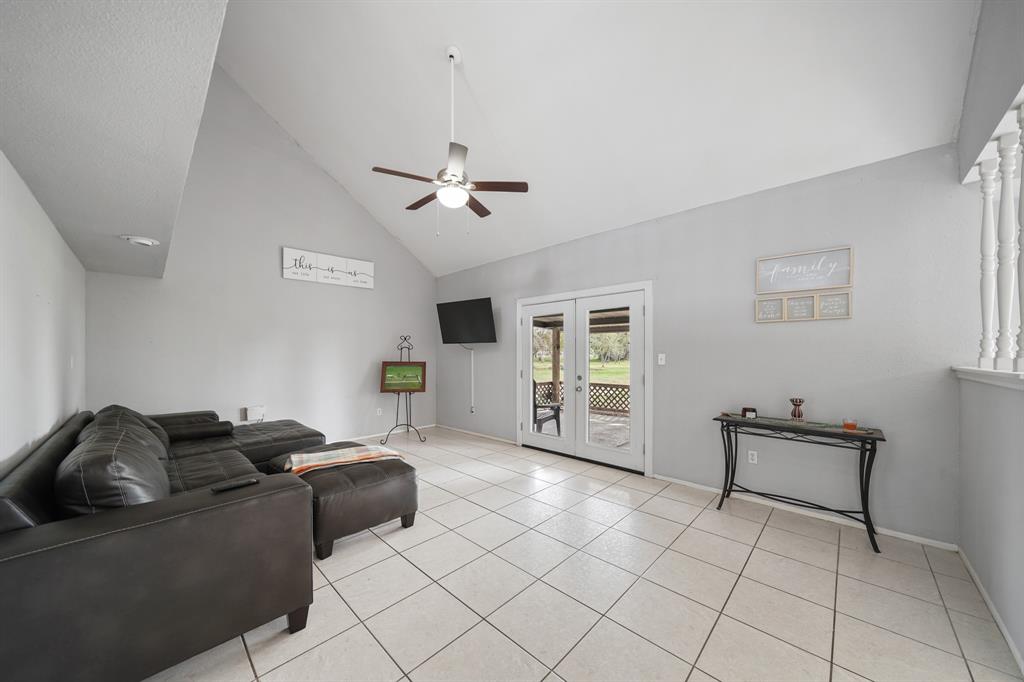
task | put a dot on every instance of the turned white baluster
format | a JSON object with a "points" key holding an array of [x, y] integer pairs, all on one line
{"points": [[987, 170], [1006, 277], [1018, 364]]}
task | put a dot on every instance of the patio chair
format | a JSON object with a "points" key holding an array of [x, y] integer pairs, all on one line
{"points": [[545, 412]]}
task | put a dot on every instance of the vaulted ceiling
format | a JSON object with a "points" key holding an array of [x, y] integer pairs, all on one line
{"points": [[101, 103], [615, 112]]}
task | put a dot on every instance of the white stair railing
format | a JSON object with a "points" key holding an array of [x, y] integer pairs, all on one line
{"points": [[1006, 276], [987, 356]]}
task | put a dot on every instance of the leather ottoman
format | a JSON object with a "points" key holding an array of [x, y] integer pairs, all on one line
{"points": [[351, 498]]}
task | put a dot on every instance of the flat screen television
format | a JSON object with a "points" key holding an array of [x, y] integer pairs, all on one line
{"points": [[467, 321]]}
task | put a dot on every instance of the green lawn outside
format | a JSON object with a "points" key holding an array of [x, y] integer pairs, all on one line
{"points": [[616, 372]]}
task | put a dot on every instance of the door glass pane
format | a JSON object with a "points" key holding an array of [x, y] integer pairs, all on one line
{"points": [[548, 359], [608, 403]]}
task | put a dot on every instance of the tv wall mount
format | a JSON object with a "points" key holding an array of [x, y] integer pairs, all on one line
{"points": [[404, 355]]}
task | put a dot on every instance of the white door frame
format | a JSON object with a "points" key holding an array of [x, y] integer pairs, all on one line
{"points": [[647, 287]]}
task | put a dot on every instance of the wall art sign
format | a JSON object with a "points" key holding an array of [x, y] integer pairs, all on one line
{"points": [[800, 308], [769, 310], [834, 306], [325, 268], [825, 305], [805, 271]]}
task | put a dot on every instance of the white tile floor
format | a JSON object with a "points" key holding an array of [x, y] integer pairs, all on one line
{"points": [[525, 565]]}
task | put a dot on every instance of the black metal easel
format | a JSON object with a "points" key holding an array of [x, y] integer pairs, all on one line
{"points": [[404, 355]]}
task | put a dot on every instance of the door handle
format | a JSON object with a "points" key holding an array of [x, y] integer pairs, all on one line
{"points": [[579, 388]]}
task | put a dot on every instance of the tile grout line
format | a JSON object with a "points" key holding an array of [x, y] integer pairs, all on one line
{"points": [[764, 525], [721, 611], [576, 551], [835, 610], [433, 582], [365, 627], [252, 666], [956, 635]]}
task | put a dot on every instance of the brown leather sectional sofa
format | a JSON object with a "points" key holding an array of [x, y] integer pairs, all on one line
{"points": [[129, 543]]}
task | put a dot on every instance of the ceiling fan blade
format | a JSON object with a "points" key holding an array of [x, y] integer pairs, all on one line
{"points": [[486, 186], [457, 159], [401, 174], [477, 207], [421, 202]]}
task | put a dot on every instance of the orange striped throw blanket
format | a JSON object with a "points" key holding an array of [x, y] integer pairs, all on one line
{"points": [[301, 462]]}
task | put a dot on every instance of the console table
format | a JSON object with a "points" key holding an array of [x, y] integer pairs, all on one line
{"points": [[863, 441]]}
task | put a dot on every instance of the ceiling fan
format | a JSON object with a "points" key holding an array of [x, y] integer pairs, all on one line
{"points": [[454, 186]]}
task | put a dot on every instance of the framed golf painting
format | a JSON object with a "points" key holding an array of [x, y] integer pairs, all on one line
{"points": [[403, 377]]}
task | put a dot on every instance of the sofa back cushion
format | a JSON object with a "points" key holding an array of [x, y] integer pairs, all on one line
{"points": [[125, 415], [26, 492], [116, 464]]}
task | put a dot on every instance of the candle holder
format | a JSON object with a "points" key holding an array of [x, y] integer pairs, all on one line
{"points": [[797, 414]]}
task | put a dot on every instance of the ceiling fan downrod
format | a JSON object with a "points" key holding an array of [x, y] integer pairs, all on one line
{"points": [[454, 57]]}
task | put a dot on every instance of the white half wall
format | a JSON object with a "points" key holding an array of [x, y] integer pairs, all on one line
{"points": [[991, 506], [915, 309], [223, 329], [42, 322]]}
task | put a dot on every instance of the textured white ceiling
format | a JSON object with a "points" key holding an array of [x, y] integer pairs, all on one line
{"points": [[101, 106], [615, 112]]}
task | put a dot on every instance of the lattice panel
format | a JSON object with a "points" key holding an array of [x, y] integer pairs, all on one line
{"points": [[609, 398], [612, 398]]}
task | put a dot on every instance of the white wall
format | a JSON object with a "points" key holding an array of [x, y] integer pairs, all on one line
{"points": [[42, 322], [991, 506], [914, 231], [223, 329]]}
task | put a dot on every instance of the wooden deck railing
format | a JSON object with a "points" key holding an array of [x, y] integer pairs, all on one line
{"points": [[608, 398]]}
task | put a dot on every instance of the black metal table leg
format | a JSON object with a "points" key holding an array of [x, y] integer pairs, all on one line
{"points": [[726, 440], [867, 461], [734, 449]]}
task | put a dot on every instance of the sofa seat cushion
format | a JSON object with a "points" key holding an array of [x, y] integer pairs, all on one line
{"points": [[259, 442], [265, 440], [200, 471]]}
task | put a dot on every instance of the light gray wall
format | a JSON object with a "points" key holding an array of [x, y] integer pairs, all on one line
{"points": [[914, 233], [991, 505], [995, 78], [223, 329], [42, 322]]}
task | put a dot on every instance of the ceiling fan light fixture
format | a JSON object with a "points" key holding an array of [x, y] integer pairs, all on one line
{"points": [[452, 196]]}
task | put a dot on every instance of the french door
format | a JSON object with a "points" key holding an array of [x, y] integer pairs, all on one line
{"points": [[582, 382]]}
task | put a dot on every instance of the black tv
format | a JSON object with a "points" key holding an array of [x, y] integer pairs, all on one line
{"points": [[467, 321]]}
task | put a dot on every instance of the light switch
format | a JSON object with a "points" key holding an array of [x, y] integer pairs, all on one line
{"points": [[661, 358]]}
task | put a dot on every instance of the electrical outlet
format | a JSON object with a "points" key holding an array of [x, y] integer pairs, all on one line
{"points": [[752, 456], [661, 358], [254, 413], [380, 412]]}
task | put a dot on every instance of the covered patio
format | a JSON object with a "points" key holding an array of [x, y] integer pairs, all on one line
{"points": [[608, 403]]}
